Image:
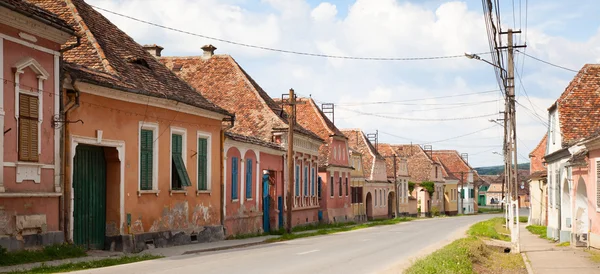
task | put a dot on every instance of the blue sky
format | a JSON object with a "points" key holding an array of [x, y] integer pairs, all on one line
{"points": [[560, 32]]}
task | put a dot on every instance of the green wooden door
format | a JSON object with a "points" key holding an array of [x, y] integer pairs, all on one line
{"points": [[89, 210]]}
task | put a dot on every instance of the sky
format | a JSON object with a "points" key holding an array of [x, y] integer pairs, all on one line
{"points": [[397, 99]]}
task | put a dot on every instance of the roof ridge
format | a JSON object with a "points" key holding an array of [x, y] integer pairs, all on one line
{"points": [[90, 36]]}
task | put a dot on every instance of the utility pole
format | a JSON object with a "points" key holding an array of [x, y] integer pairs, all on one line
{"points": [[462, 190], [291, 102], [396, 188]]}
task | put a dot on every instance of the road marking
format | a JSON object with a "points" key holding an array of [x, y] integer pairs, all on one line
{"points": [[306, 252], [364, 240]]}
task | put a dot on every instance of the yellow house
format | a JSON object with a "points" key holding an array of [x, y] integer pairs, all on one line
{"points": [[357, 185]]}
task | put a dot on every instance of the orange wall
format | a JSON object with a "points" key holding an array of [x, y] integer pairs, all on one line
{"points": [[119, 120]]}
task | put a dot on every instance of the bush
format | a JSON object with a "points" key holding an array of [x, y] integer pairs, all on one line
{"points": [[435, 211]]}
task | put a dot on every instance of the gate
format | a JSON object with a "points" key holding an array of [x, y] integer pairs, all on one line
{"points": [[89, 206], [266, 203]]}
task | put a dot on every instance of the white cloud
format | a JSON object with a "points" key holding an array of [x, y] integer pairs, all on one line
{"points": [[389, 28]]}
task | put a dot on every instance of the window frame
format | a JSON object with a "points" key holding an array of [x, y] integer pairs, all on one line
{"points": [[297, 188], [208, 137], [306, 191], [234, 173], [154, 127], [249, 183], [183, 133]]}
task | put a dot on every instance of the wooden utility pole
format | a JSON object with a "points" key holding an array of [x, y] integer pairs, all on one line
{"points": [[462, 190], [291, 102]]}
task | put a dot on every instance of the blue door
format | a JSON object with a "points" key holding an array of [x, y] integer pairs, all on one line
{"points": [[280, 207], [266, 201]]}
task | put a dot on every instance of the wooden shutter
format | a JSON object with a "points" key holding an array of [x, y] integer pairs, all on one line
{"points": [[202, 164], [177, 148], [146, 158], [340, 186], [28, 128], [312, 181], [305, 181], [249, 179], [234, 178], [331, 188], [297, 181], [346, 186]]}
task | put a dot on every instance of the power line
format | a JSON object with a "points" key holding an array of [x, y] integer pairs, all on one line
{"points": [[420, 119], [418, 104], [419, 99], [547, 63], [283, 50]]}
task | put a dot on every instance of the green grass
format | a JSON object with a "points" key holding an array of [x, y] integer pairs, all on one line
{"points": [[321, 226], [327, 231], [564, 244], [539, 230], [594, 255], [489, 210], [492, 228], [91, 264], [453, 258], [48, 253], [523, 219]]}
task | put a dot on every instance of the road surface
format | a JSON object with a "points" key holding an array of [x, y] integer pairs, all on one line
{"points": [[382, 249]]}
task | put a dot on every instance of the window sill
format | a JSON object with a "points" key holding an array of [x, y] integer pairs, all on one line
{"points": [[235, 200], [153, 191], [198, 192], [249, 199], [171, 192]]}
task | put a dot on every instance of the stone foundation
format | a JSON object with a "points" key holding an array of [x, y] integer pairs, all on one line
{"points": [[12, 243], [139, 242]]}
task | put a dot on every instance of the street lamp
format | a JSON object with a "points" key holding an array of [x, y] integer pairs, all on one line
{"points": [[476, 57]]}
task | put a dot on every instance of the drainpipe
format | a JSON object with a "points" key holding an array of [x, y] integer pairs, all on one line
{"points": [[62, 146], [222, 160]]}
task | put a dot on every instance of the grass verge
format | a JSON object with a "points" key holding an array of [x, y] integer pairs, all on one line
{"points": [[489, 210], [91, 264], [321, 226], [326, 231], [48, 253], [492, 228], [466, 256], [564, 244], [539, 230], [594, 255]]}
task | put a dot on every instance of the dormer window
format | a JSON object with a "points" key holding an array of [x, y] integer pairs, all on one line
{"points": [[138, 61]]}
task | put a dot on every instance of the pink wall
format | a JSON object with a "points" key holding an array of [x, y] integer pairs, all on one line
{"points": [[379, 192], [590, 182]]}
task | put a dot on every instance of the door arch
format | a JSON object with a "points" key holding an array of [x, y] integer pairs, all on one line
{"points": [[581, 214], [391, 204], [369, 205], [566, 207]]}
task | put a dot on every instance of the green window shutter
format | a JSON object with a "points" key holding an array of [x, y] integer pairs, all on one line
{"points": [[297, 179], [234, 178], [249, 179], [202, 164], [146, 159], [177, 148], [462, 193]]}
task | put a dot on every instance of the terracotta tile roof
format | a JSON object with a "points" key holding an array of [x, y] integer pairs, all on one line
{"points": [[35, 12], [357, 140], [455, 165], [420, 165], [537, 156], [113, 59], [578, 110], [310, 116], [223, 81], [445, 172], [579, 158], [388, 152]]}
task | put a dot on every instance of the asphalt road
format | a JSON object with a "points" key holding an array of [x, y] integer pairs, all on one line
{"points": [[382, 249]]}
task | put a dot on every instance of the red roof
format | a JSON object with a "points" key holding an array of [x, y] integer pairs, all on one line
{"points": [[537, 156], [357, 140], [455, 165], [223, 81], [388, 152], [579, 114], [42, 15], [420, 165], [109, 57]]}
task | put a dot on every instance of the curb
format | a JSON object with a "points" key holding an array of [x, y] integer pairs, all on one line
{"points": [[527, 264], [223, 248]]}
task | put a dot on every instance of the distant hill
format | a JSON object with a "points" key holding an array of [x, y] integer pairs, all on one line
{"points": [[496, 170]]}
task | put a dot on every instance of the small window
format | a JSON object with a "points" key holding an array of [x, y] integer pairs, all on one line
{"points": [[146, 159], [340, 186], [28, 128], [319, 183], [202, 164], [249, 179], [331, 187], [179, 175], [346, 186], [234, 178], [312, 181], [376, 197], [305, 181], [297, 181]]}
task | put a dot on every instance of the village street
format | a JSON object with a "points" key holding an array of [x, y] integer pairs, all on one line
{"points": [[382, 249]]}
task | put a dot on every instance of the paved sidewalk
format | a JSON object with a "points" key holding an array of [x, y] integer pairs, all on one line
{"points": [[546, 257]]}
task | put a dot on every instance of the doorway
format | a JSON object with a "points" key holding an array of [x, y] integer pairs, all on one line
{"points": [[369, 202]]}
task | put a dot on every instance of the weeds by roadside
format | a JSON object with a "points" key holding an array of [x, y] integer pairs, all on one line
{"points": [[321, 226], [492, 228], [539, 230], [91, 264], [48, 253]]}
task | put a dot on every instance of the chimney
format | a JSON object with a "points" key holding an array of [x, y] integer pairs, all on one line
{"points": [[154, 49], [209, 51]]}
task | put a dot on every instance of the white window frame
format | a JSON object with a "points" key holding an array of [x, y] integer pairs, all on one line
{"points": [[154, 128], [208, 137], [183, 133]]}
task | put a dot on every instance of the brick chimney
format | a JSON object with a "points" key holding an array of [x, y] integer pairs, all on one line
{"points": [[154, 49], [209, 51]]}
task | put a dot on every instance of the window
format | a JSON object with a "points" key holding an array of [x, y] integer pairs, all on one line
{"points": [[297, 181], [334, 153], [376, 197], [550, 189], [436, 172], [248, 178], [313, 176], [305, 181], [234, 178], [346, 186], [179, 175], [28, 128], [202, 163], [340, 186], [462, 193], [146, 159], [331, 187], [319, 182], [557, 192]]}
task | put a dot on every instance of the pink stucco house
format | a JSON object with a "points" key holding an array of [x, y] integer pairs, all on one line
{"points": [[30, 181]]}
